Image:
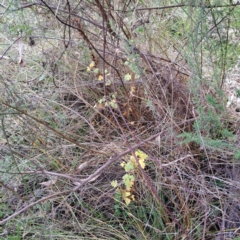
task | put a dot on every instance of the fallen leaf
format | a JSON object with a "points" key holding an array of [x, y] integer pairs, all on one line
{"points": [[100, 78], [82, 166], [132, 89], [49, 183]]}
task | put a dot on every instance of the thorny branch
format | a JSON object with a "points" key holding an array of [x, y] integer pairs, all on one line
{"points": [[81, 184]]}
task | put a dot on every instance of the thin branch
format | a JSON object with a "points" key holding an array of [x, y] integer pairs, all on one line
{"points": [[53, 174], [28, 5], [2, 56], [48, 126], [183, 5], [89, 42], [96, 173], [88, 179]]}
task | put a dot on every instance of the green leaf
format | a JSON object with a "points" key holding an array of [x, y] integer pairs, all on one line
{"points": [[96, 70], [127, 200], [114, 183], [128, 180], [129, 166], [127, 77], [108, 82], [113, 104]]}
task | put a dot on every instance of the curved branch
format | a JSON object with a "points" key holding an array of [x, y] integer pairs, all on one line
{"points": [[89, 42]]}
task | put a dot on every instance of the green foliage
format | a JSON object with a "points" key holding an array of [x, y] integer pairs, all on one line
{"points": [[237, 155], [238, 93], [112, 102], [25, 29], [130, 167], [127, 77], [128, 181], [132, 63], [18, 234], [117, 203]]}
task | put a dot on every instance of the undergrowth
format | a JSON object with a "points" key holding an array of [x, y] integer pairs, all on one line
{"points": [[117, 121]]}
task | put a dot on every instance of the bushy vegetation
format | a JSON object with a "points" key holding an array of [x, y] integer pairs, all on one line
{"points": [[119, 119]]}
